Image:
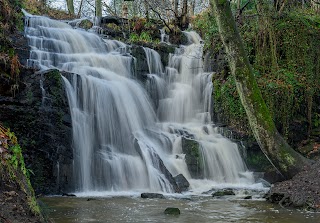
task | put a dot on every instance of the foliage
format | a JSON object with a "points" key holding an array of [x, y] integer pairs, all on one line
{"points": [[225, 94], [10, 17], [284, 52], [143, 37], [205, 24]]}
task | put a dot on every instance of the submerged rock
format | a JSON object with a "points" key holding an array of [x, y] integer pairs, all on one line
{"points": [[223, 192], [182, 182], [152, 195], [172, 211]]}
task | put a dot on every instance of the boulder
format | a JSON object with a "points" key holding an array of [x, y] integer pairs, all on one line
{"points": [[182, 182], [158, 164], [172, 211], [224, 192], [152, 195], [193, 157]]}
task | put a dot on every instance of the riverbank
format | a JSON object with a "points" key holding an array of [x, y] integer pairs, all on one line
{"points": [[302, 191]]}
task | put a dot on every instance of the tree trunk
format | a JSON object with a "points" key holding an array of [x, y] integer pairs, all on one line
{"points": [[70, 7], [98, 8], [146, 7], [184, 14], [80, 9], [279, 153], [192, 7], [176, 5]]}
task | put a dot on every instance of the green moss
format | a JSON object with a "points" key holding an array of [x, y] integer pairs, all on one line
{"points": [[14, 163]]}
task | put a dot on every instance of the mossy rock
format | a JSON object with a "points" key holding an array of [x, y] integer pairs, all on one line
{"points": [[193, 157], [224, 192], [172, 211], [85, 24]]}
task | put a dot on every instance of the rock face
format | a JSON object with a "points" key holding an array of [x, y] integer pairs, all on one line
{"points": [[141, 65], [193, 157], [39, 115]]}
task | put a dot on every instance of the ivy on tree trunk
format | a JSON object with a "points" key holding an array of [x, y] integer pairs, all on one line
{"points": [[277, 150]]}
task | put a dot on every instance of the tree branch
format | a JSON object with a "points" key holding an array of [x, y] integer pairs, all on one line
{"points": [[164, 21]]}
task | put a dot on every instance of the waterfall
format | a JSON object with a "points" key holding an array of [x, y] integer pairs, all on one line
{"points": [[127, 137]]}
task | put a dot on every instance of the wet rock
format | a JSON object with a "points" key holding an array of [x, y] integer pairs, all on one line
{"points": [[39, 119], [158, 164], [224, 192], [141, 65], [112, 19], [68, 195], [248, 197], [86, 24], [182, 182], [193, 157], [172, 211], [152, 195]]}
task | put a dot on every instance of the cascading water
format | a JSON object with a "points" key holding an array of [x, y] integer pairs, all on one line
{"points": [[119, 142]]}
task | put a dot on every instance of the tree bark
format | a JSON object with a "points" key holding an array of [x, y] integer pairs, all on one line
{"points": [[80, 9], [70, 7], [192, 7], [184, 14], [176, 6], [98, 8], [277, 150], [146, 7]]}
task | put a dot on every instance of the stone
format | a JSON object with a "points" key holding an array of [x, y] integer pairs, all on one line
{"points": [[158, 164], [193, 157], [152, 195], [182, 182], [172, 211], [68, 195], [224, 192]]}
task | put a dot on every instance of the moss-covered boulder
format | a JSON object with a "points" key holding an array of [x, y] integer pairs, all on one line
{"points": [[86, 24], [224, 192], [172, 211], [193, 157]]}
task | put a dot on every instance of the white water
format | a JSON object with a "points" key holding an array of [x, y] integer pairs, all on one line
{"points": [[124, 134]]}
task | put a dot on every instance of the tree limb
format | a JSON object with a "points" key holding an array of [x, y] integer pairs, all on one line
{"points": [[164, 21]]}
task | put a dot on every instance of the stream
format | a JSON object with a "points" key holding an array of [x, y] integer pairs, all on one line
{"points": [[193, 209]]}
